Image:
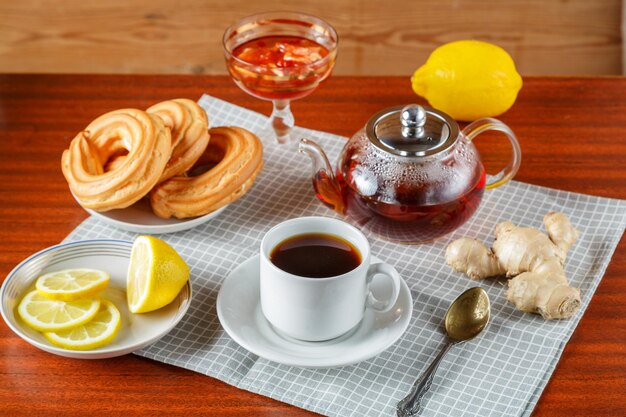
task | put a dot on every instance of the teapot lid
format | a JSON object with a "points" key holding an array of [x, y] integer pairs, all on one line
{"points": [[412, 130]]}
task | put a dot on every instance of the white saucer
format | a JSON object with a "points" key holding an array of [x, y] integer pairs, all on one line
{"points": [[239, 311], [112, 256], [139, 218]]}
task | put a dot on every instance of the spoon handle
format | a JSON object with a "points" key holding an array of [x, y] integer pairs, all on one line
{"points": [[410, 405]]}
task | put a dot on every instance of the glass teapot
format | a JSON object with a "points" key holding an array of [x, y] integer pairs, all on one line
{"points": [[410, 175]]}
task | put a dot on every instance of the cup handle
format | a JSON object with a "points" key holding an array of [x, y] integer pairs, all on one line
{"points": [[389, 271], [482, 125]]}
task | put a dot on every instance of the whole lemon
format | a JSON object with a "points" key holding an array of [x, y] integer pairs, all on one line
{"points": [[468, 80]]}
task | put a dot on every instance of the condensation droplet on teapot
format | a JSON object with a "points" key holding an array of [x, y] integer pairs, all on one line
{"points": [[365, 181]]}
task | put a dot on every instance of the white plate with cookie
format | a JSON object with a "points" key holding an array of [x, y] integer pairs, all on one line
{"points": [[140, 218], [190, 172]]}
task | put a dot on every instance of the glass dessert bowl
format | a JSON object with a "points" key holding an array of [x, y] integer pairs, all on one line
{"points": [[280, 56]]}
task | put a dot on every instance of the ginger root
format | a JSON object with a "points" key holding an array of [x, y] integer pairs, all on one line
{"points": [[532, 258]]}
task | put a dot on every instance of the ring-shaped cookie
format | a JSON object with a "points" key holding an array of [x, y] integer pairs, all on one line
{"points": [[189, 125], [239, 157], [141, 137]]}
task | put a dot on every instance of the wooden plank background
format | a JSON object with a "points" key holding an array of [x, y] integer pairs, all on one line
{"points": [[550, 37]]}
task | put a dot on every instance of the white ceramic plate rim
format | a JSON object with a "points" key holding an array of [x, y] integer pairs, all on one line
{"points": [[99, 353], [178, 226], [306, 362]]}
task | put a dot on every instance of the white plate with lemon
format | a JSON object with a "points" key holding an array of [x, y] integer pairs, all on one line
{"points": [[85, 300]]}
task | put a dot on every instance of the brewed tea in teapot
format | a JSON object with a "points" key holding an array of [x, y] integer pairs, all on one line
{"points": [[410, 175]]}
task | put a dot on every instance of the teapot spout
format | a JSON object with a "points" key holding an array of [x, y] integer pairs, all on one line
{"points": [[327, 188]]}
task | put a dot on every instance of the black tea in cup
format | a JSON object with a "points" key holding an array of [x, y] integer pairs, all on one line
{"points": [[315, 255]]}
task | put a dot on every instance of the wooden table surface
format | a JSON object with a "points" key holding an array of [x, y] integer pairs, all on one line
{"points": [[573, 137]]}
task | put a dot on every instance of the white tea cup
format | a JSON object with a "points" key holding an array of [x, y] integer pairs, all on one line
{"points": [[316, 309]]}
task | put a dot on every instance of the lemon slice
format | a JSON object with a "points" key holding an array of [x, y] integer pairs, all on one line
{"points": [[72, 284], [156, 274], [46, 315], [97, 332]]}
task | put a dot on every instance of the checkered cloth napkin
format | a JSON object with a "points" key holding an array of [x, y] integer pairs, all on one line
{"points": [[501, 373]]}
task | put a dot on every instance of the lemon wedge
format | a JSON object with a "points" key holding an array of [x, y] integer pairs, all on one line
{"points": [[46, 315], [468, 79], [72, 284], [156, 274], [97, 332]]}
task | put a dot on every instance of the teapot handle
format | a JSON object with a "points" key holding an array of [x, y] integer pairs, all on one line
{"points": [[482, 125]]}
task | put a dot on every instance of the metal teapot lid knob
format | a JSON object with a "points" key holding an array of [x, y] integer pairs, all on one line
{"points": [[413, 119]]}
